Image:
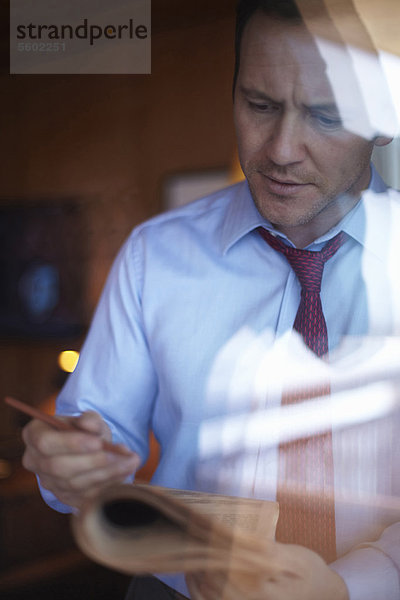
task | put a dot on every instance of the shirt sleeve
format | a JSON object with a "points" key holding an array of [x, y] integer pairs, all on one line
{"points": [[372, 570], [115, 375]]}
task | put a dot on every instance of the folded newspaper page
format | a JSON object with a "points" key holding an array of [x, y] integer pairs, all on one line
{"points": [[139, 528]]}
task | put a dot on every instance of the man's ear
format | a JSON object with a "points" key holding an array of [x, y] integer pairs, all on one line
{"points": [[380, 140]]}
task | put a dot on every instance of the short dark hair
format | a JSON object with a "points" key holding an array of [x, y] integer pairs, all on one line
{"points": [[281, 9]]}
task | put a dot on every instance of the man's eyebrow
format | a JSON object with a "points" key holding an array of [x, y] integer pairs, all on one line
{"points": [[328, 107], [254, 93]]}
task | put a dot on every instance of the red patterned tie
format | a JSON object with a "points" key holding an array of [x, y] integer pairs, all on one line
{"points": [[306, 517]]}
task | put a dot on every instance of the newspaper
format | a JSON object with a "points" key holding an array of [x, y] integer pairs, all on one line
{"points": [[140, 528]]}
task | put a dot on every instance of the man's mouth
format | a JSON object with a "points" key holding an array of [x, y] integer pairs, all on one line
{"points": [[282, 186], [284, 181]]}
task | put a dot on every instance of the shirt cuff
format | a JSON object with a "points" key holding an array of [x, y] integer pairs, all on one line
{"points": [[369, 574], [52, 501]]}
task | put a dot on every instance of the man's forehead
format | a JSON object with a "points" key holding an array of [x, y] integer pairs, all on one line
{"points": [[326, 64], [280, 41], [276, 52]]}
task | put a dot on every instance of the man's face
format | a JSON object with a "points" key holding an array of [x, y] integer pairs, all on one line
{"points": [[305, 171]]}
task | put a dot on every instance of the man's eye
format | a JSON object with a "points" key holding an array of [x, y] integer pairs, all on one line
{"points": [[261, 107], [327, 122]]}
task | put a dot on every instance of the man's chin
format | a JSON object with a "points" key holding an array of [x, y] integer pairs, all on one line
{"points": [[287, 211], [284, 218]]}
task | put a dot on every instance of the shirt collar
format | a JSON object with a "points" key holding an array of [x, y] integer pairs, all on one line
{"points": [[243, 217], [369, 222]]}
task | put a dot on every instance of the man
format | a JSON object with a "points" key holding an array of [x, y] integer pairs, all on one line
{"points": [[187, 282]]}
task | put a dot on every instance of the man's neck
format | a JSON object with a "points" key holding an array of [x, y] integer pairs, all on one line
{"points": [[303, 235]]}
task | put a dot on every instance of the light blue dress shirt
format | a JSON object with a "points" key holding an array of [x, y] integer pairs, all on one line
{"points": [[183, 285]]}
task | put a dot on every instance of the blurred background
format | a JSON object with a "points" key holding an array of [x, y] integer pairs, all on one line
{"points": [[84, 159]]}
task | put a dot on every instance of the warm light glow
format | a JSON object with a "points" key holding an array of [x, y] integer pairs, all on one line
{"points": [[5, 469], [236, 173], [67, 360]]}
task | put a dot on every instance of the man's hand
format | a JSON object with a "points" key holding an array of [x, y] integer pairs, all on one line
{"points": [[72, 464], [302, 575]]}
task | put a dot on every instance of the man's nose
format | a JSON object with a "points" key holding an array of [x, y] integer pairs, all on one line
{"points": [[286, 142]]}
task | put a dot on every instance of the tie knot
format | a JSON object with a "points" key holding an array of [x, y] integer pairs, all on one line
{"points": [[307, 265]]}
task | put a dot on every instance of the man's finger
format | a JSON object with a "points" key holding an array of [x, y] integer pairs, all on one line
{"points": [[48, 441], [92, 422], [80, 472]]}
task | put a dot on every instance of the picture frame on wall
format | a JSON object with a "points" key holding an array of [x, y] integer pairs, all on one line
{"points": [[184, 187], [42, 273]]}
